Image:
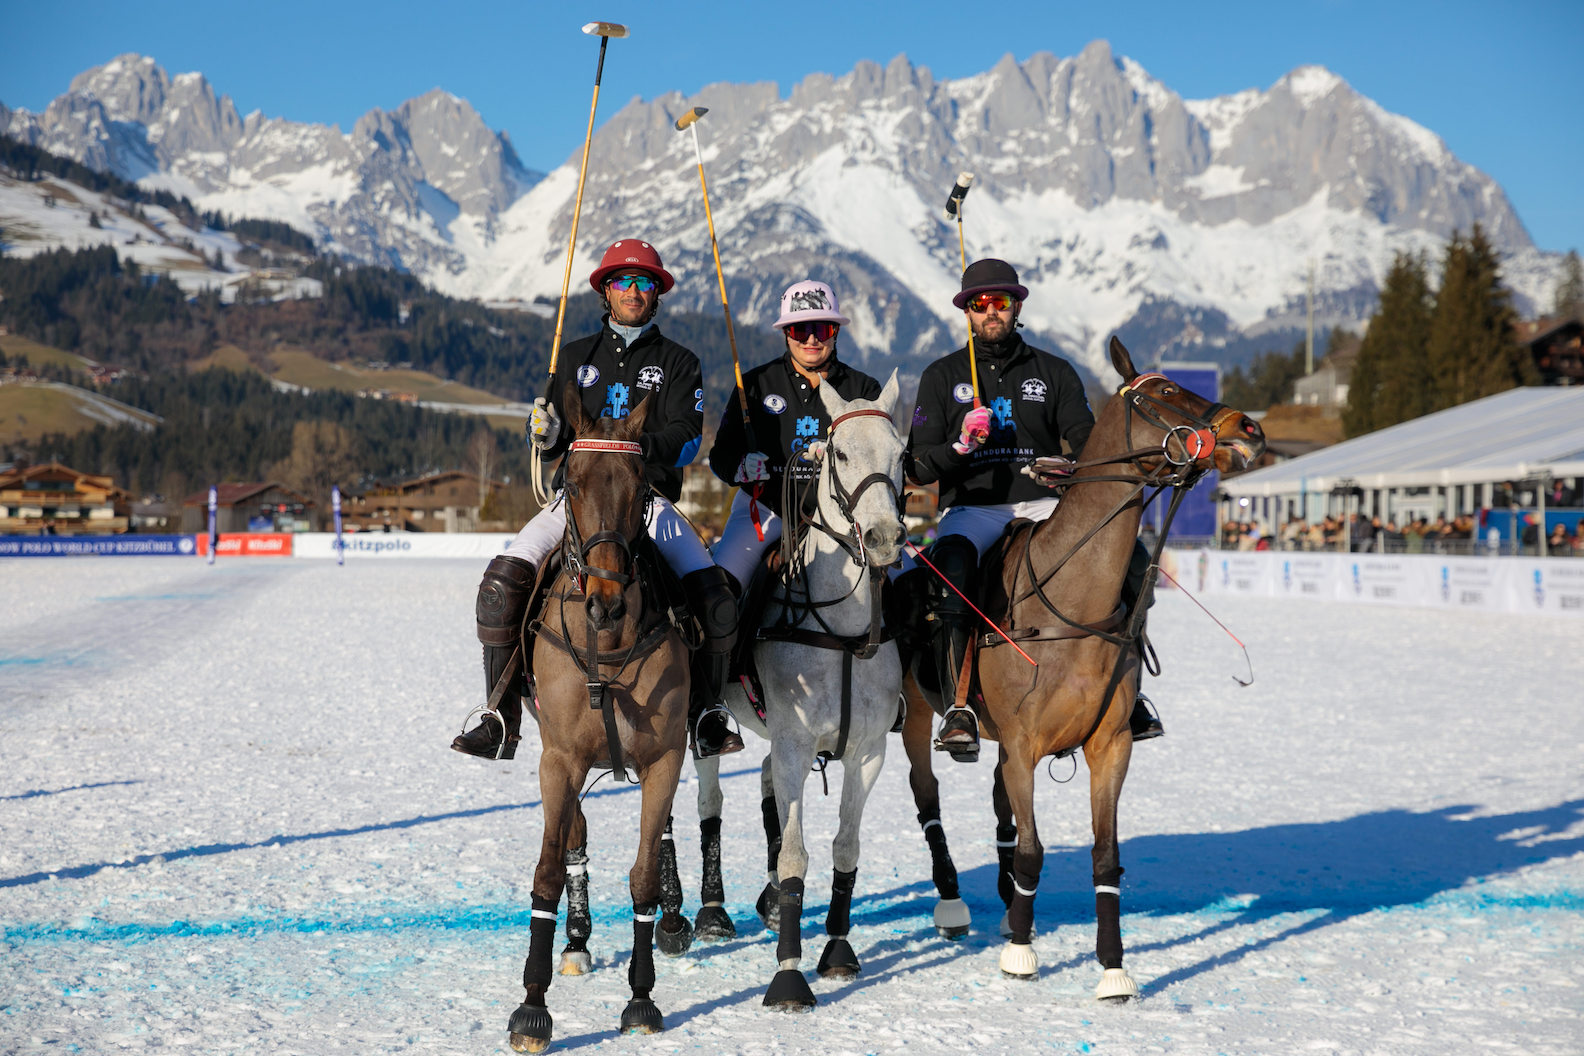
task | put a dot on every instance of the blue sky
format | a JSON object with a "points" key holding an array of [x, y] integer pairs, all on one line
{"points": [[1499, 82]]}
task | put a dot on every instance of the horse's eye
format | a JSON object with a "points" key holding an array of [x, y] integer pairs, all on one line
{"points": [[841, 456], [1168, 390]]}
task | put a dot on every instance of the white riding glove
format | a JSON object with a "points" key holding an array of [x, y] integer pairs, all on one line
{"points": [[814, 451], [753, 468], [544, 424]]}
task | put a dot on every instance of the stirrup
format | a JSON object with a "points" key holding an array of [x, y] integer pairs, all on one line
{"points": [[731, 741], [1149, 726], [471, 743], [963, 750]]}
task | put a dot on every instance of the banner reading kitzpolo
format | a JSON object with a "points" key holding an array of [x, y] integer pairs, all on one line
{"points": [[386, 545]]}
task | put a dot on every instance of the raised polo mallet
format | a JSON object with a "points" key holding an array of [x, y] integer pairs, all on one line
{"points": [[690, 121], [954, 211], [605, 31]]}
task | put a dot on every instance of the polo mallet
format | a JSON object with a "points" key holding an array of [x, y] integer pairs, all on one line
{"points": [[954, 211], [605, 31], [690, 121]]}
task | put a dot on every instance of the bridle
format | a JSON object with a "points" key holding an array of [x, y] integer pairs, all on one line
{"points": [[575, 549], [847, 501]]}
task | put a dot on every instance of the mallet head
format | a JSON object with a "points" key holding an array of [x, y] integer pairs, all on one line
{"points": [[959, 191], [605, 29], [690, 117]]}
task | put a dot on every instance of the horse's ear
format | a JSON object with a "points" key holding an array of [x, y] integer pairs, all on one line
{"points": [[572, 411], [835, 406], [631, 427], [888, 396], [1121, 360]]}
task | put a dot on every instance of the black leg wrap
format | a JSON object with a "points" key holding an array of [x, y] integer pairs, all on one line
{"points": [[772, 828], [712, 888], [641, 972], [1108, 929], [670, 882], [836, 922], [541, 938], [578, 924], [790, 910], [1020, 913], [943, 871], [1006, 849]]}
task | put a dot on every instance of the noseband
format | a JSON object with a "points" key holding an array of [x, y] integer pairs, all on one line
{"points": [[576, 549], [1197, 438], [847, 501]]}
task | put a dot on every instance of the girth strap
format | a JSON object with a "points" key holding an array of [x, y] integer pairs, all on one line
{"points": [[846, 709], [1056, 634]]}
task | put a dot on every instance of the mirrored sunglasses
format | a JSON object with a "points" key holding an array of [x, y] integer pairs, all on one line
{"points": [[642, 283], [983, 302], [822, 331]]}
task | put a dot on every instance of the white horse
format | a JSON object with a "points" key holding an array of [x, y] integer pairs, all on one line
{"points": [[831, 685]]}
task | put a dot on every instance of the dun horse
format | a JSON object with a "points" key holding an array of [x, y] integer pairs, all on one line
{"points": [[831, 683], [1057, 594], [612, 691]]}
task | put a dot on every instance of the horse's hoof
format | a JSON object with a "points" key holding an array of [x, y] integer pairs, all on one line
{"points": [[839, 961], [789, 992], [1018, 961], [675, 943], [576, 962], [1006, 928], [530, 1028], [1116, 985], [769, 907], [641, 1017], [713, 924], [952, 918]]}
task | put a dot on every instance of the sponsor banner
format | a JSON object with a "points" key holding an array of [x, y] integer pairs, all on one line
{"points": [[1488, 584], [249, 544], [382, 545], [97, 546]]}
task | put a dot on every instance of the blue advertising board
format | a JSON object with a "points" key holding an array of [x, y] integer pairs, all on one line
{"points": [[97, 546], [1196, 517]]}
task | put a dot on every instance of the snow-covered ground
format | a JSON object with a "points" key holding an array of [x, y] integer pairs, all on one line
{"points": [[229, 821]]}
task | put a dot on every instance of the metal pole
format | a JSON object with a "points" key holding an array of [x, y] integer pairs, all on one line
{"points": [[214, 524], [335, 508]]}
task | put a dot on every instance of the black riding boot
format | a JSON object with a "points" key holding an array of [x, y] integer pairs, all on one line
{"points": [[714, 603], [1144, 722], [952, 623], [502, 600]]}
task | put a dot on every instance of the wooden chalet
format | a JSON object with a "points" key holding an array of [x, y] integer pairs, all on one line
{"points": [[54, 499]]}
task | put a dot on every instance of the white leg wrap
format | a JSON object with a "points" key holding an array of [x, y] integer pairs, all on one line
{"points": [[1019, 961], [1116, 983]]}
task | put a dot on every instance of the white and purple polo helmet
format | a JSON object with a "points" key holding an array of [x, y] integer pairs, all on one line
{"points": [[809, 301]]}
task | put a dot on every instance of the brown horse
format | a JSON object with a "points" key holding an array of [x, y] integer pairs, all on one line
{"points": [[1057, 593], [611, 672]]}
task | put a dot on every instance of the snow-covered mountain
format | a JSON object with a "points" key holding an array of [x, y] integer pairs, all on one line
{"points": [[1187, 225]]}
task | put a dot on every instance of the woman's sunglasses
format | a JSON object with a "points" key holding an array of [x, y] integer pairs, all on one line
{"points": [[641, 283], [821, 331], [983, 302]]}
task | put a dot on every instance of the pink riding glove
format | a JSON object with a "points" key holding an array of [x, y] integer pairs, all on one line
{"points": [[975, 430]]}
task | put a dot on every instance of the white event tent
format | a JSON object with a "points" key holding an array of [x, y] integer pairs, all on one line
{"points": [[1444, 464]]}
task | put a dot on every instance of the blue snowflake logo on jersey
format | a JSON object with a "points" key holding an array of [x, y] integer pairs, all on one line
{"points": [[615, 401], [808, 429], [1001, 412]]}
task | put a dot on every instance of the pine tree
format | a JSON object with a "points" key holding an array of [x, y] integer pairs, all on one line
{"points": [[1390, 380], [1473, 350], [1570, 291]]}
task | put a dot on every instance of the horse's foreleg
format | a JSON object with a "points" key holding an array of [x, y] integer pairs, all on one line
{"points": [[659, 781], [952, 918], [789, 990], [839, 961], [771, 816], [1108, 763], [1006, 842], [530, 1026], [712, 922], [1017, 956], [676, 931]]}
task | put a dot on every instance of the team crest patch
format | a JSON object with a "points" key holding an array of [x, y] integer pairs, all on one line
{"points": [[963, 393], [774, 404], [587, 375], [650, 377], [1034, 389]]}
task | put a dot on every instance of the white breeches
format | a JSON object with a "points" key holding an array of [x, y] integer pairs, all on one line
{"points": [[739, 548], [983, 525], [679, 544]]}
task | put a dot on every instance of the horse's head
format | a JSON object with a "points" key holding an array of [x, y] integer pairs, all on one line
{"points": [[607, 501], [1194, 434], [862, 451]]}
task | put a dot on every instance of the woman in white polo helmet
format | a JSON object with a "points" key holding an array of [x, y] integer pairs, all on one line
{"points": [[786, 415]]}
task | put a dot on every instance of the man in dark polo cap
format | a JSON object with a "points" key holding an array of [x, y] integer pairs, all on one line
{"points": [[1030, 403]]}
